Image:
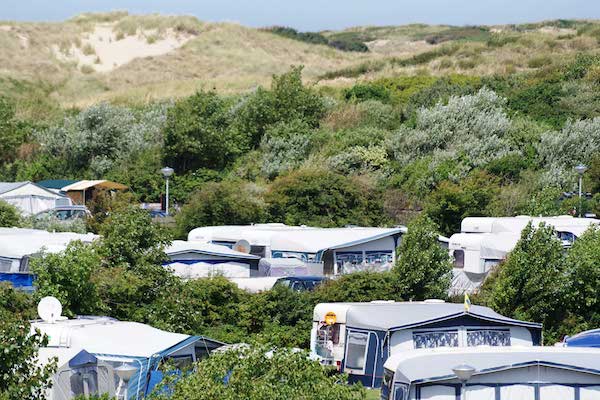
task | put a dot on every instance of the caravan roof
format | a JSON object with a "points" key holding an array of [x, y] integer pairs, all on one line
{"points": [[102, 335], [563, 223], [384, 316], [396, 316], [18, 243], [182, 247], [293, 238], [428, 365]]}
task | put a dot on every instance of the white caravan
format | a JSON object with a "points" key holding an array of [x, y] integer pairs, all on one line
{"points": [[493, 373], [485, 242]]}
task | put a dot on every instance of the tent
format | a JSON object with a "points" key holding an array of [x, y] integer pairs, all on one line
{"points": [[82, 191], [589, 338], [109, 344], [493, 373], [30, 198]]}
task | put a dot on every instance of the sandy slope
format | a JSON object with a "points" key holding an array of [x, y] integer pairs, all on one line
{"points": [[110, 53]]}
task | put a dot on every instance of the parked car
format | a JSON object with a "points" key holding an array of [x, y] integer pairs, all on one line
{"points": [[301, 283], [65, 213]]}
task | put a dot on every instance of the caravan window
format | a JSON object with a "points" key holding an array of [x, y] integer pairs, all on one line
{"points": [[432, 339], [356, 353], [488, 337], [459, 258]]}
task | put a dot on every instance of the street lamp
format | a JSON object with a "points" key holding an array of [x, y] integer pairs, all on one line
{"points": [[463, 372], [167, 172], [125, 372], [580, 170]]}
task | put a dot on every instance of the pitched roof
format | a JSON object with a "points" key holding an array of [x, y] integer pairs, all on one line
{"points": [[84, 185], [182, 247], [430, 365], [6, 187], [405, 315], [56, 183]]}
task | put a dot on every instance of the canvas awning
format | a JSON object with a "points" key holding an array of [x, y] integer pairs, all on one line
{"points": [[100, 184]]}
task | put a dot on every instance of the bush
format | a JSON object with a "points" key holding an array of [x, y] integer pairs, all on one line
{"points": [[285, 146], [288, 100], [323, 198], [423, 270], [253, 373], [198, 134], [345, 45], [367, 91], [222, 203], [531, 285], [9, 215]]}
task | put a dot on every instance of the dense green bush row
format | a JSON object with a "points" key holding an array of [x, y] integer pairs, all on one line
{"points": [[343, 43]]}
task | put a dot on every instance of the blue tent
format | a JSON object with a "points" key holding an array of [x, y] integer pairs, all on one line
{"points": [[589, 338]]}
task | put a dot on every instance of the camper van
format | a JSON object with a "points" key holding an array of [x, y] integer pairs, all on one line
{"points": [[493, 373], [358, 338]]}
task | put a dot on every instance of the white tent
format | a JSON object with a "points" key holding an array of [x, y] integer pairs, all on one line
{"points": [[31, 198]]}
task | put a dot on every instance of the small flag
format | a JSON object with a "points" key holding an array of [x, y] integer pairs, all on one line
{"points": [[467, 302]]}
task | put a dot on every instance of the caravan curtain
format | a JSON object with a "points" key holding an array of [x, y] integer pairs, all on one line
{"points": [[553, 392], [479, 392], [438, 392], [517, 392], [589, 393]]}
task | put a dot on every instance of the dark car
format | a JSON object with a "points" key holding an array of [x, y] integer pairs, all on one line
{"points": [[300, 283]]}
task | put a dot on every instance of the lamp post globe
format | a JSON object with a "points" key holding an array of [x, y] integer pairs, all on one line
{"points": [[463, 372], [167, 172], [125, 372]]}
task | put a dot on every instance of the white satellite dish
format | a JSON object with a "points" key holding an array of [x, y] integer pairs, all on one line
{"points": [[242, 245], [49, 309]]}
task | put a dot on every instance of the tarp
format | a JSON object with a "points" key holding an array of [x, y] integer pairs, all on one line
{"points": [[101, 184], [28, 197]]}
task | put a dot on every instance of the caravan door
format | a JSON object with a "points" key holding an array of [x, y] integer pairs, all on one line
{"points": [[360, 361]]}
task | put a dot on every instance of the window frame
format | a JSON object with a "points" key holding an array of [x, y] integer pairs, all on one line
{"points": [[353, 369]]}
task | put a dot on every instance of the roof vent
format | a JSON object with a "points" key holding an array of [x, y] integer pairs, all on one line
{"points": [[434, 301], [383, 301]]}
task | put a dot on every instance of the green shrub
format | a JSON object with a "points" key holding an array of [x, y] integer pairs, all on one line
{"points": [[9, 215]]}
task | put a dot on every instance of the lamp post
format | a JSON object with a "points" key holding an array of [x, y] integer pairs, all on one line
{"points": [[580, 170], [463, 372], [125, 372], [166, 173]]}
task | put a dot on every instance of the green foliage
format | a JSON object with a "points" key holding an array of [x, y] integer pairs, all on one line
{"points": [[12, 134], [257, 373], [363, 286], [9, 215], [198, 134], [222, 203], [470, 33], [367, 91], [101, 135], [291, 33], [322, 198], [70, 277], [423, 269], [450, 203], [21, 377], [285, 146], [288, 100], [584, 278], [531, 284], [195, 306]]}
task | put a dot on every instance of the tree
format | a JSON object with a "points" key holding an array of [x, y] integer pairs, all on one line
{"points": [[451, 202], [70, 277], [257, 373], [423, 269], [584, 277], [11, 134], [21, 377], [222, 203], [285, 146], [323, 198], [363, 286], [288, 100], [9, 215], [530, 285], [198, 134]]}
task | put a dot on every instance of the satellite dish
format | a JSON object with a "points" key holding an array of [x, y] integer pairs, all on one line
{"points": [[242, 245], [49, 309]]}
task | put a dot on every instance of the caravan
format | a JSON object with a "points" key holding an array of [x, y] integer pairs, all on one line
{"points": [[493, 373], [358, 338]]}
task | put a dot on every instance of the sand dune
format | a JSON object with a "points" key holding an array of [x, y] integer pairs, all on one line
{"points": [[103, 52]]}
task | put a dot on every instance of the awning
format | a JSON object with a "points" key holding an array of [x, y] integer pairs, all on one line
{"points": [[101, 184]]}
